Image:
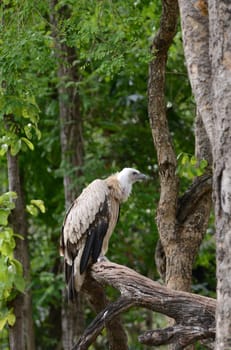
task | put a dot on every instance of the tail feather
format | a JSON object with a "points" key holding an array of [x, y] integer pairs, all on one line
{"points": [[71, 292]]}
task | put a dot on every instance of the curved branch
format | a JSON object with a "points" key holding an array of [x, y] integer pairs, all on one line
{"points": [[189, 207], [180, 335], [188, 203], [97, 298], [190, 311], [104, 317]]}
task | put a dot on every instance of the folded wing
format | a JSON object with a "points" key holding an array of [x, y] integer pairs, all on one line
{"points": [[88, 223]]}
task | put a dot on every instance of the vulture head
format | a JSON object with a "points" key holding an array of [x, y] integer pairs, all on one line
{"points": [[127, 177]]}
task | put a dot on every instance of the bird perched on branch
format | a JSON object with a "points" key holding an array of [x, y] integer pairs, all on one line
{"points": [[89, 223]]}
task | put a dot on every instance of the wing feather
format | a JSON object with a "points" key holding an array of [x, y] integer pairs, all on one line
{"points": [[87, 251], [98, 242], [84, 228], [95, 236]]}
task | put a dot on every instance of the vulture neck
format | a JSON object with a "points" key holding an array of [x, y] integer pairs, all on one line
{"points": [[119, 187]]}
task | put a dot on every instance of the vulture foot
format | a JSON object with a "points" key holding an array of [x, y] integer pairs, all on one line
{"points": [[102, 258]]}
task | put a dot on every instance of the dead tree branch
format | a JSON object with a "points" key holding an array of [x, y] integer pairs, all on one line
{"points": [[194, 314], [180, 335]]}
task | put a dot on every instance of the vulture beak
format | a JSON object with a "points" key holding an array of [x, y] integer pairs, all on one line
{"points": [[141, 177]]}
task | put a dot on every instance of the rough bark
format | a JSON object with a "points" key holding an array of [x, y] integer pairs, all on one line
{"points": [[203, 148], [195, 26], [182, 222], [220, 49], [21, 335], [71, 128], [180, 234], [158, 122], [194, 314], [71, 133], [207, 36], [72, 158]]}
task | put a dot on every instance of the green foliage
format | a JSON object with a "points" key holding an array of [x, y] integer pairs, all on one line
{"points": [[11, 271], [36, 206], [91, 28], [23, 57], [190, 167], [6, 205]]}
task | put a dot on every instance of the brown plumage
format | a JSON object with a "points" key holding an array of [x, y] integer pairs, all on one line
{"points": [[89, 223]]}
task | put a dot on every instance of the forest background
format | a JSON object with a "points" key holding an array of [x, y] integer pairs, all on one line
{"points": [[97, 52]]}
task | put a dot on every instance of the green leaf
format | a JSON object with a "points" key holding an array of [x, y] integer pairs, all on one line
{"points": [[203, 164], [11, 318], [28, 130], [7, 247], [32, 209], [3, 322], [185, 159], [7, 199], [3, 149], [18, 236], [192, 172], [28, 143], [193, 160], [7, 318], [19, 281], [4, 213], [39, 204], [38, 133], [15, 147]]}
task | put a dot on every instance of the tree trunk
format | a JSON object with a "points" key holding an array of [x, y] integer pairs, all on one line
{"points": [[21, 335], [182, 222], [220, 49], [72, 158], [71, 133], [207, 36]]}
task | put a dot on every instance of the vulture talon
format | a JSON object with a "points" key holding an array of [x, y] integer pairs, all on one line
{"points": [[102, 258]]}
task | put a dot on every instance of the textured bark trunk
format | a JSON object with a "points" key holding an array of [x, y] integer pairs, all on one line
{"points": [[158, 121], [195, 30], [220, 49], [181, 222], [207, 37], [21, 335], [71, 133]]}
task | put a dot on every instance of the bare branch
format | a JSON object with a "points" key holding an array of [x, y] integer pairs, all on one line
{"points": [[97, 298], [190, 311], [188, 203], [180, 335], [104, 317]]}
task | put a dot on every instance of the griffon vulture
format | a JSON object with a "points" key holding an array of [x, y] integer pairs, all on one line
{"points": [[89, 223]]}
